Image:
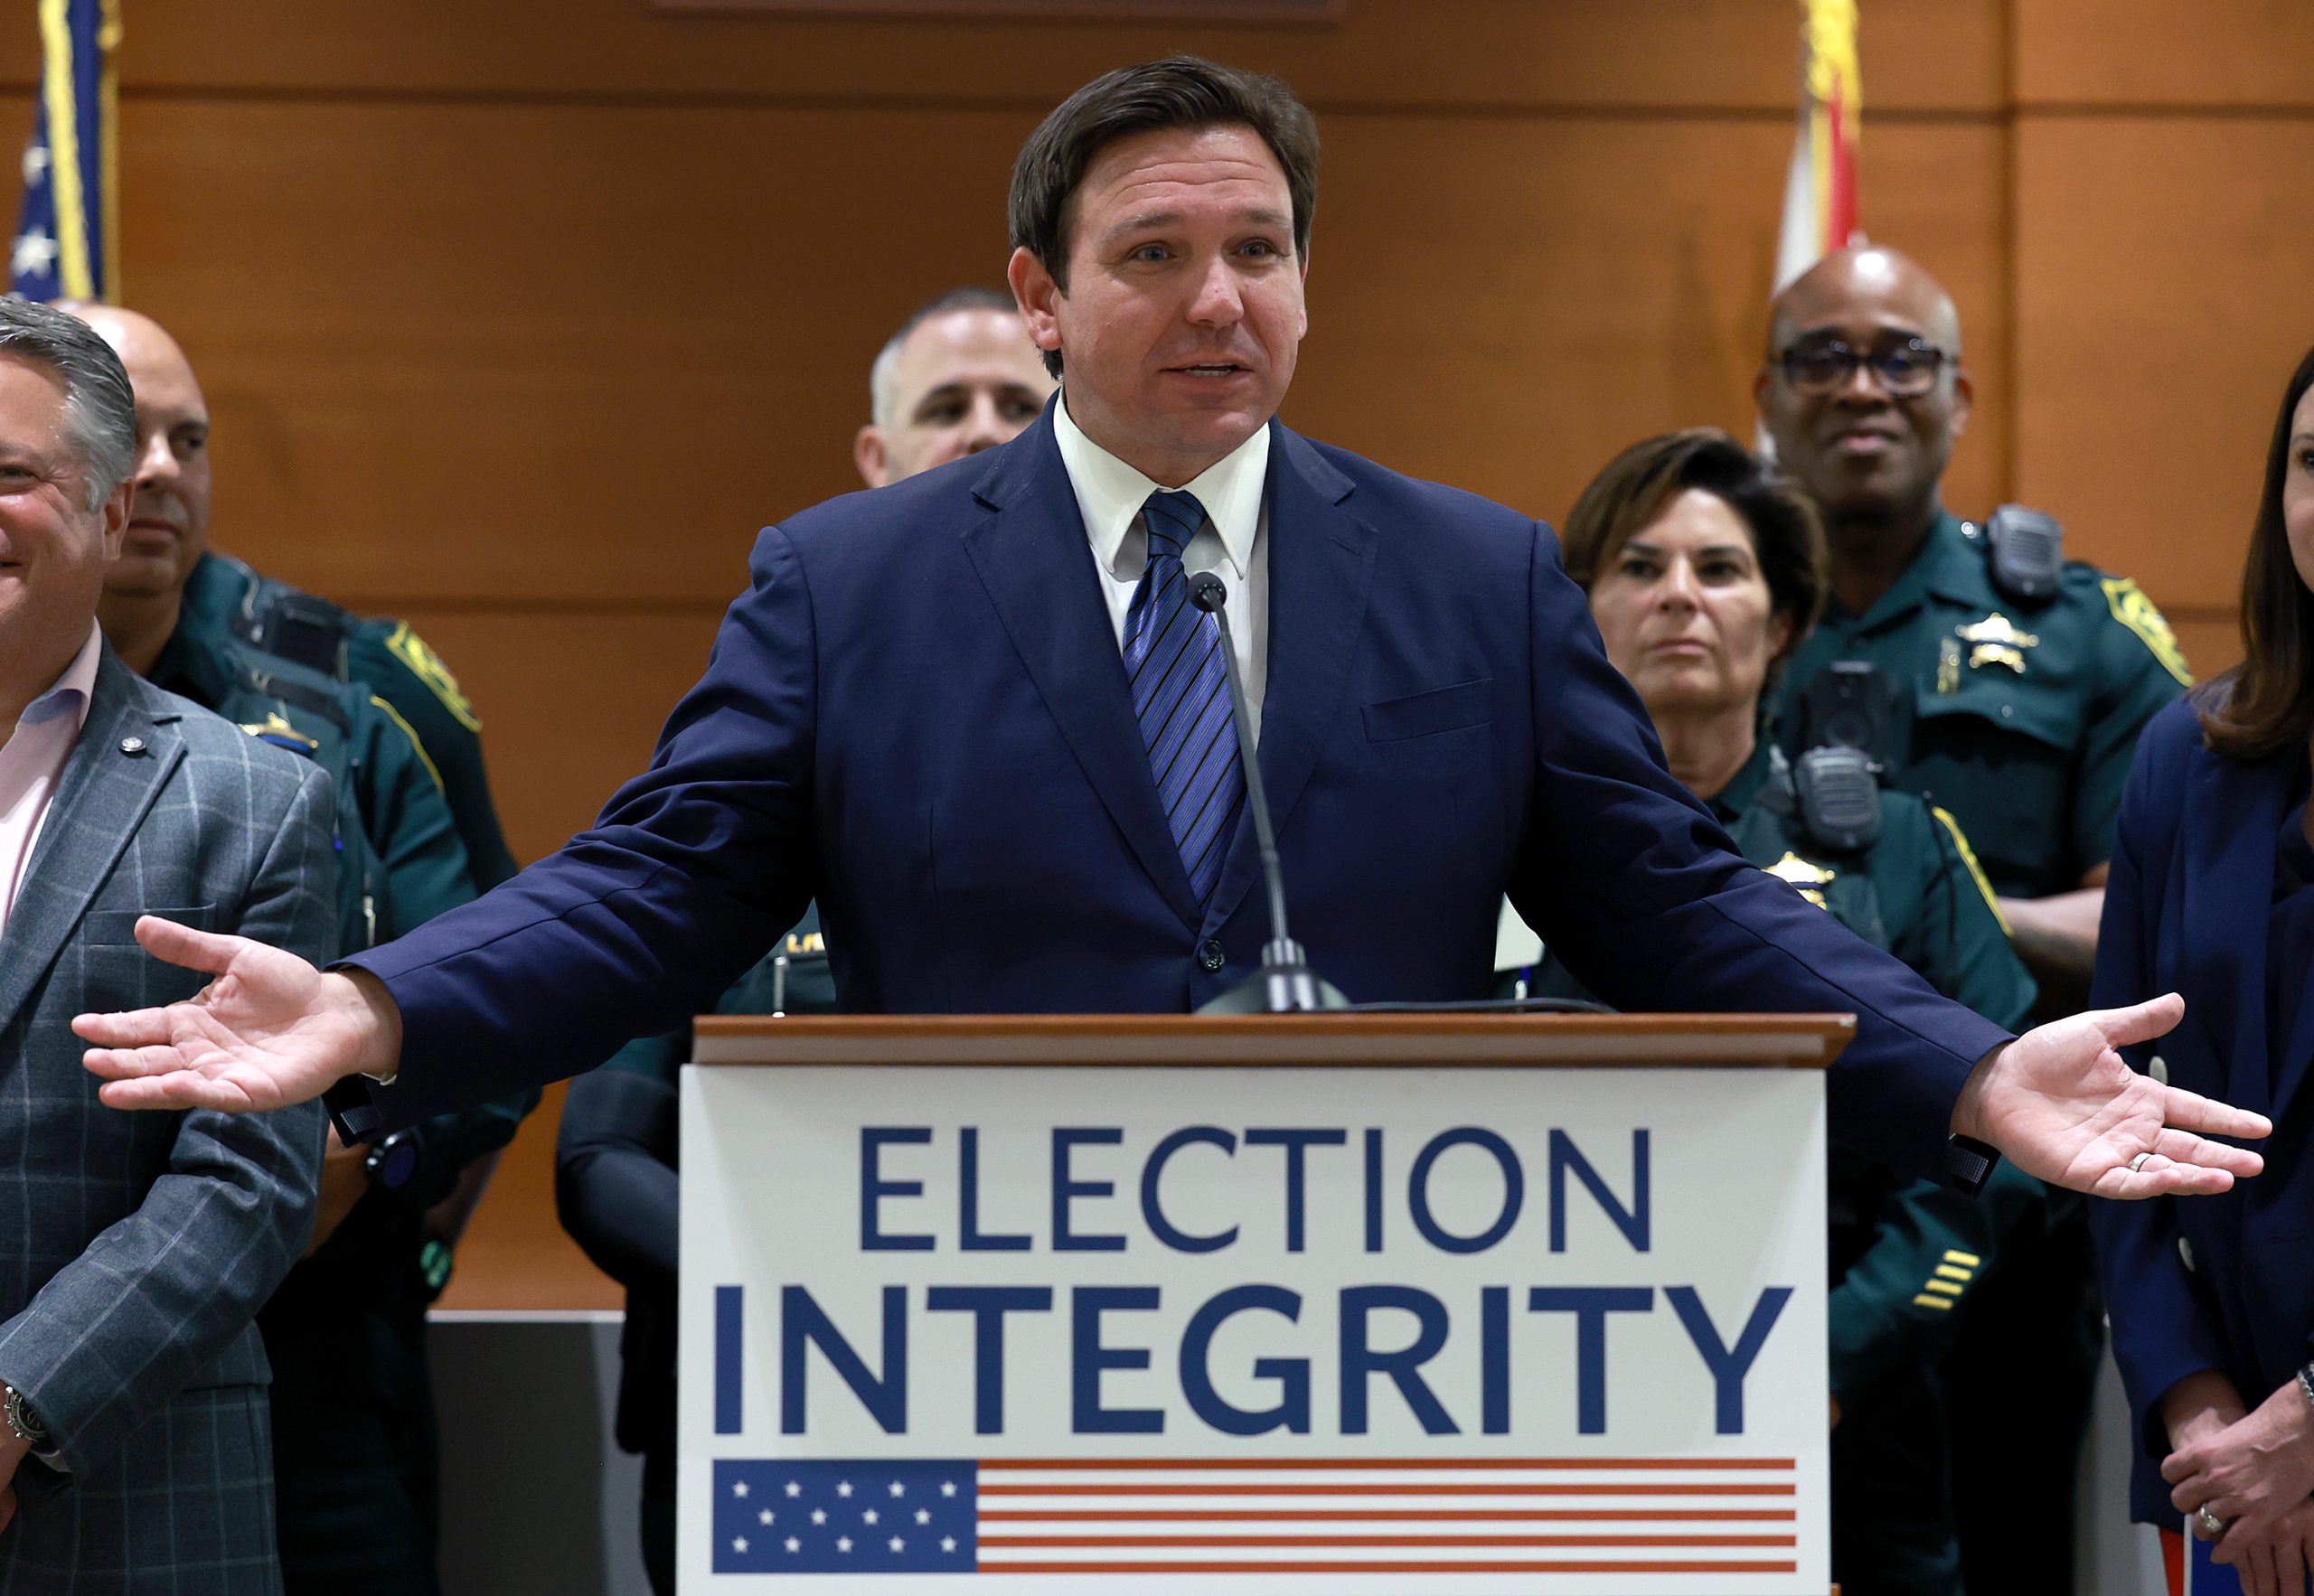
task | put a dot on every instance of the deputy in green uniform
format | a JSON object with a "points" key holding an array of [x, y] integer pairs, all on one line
{"points": [[1704, 572], [2008, 685], [227, 597], [353, 1430]]}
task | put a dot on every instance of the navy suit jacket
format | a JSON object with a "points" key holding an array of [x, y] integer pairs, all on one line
{"points": [[918, 714], [2224, 1282]]}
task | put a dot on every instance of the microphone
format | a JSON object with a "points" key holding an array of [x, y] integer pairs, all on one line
{"points": [[1285, 984], [782, 962]]}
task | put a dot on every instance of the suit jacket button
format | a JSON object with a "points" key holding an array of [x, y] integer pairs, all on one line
{"points": [[1210, 956]]}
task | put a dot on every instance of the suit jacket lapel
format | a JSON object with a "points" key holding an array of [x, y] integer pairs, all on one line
{"points": [[1321, 571], [2232, 815], [100, 802], [1034, 558]]}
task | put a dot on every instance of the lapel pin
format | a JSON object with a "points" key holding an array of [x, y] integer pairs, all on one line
{"points": [[132, 745]]}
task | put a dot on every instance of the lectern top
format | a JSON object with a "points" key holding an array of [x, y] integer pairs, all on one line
{"points": [[1771, 1041]]}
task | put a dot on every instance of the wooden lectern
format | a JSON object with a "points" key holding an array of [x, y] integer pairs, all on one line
{"points": [[1341, 1303]]}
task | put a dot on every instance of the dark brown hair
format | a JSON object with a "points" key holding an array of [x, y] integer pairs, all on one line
{"points": [[1179, 91], [2265, 704], [1640, 483]]}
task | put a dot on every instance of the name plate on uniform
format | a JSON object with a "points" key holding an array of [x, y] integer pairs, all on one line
{"points": [[1275, 1330]]}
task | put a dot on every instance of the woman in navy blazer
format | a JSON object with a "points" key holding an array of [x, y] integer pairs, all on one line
{"points": [[2212, 895]]}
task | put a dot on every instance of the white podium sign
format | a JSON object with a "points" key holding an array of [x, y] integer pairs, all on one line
{"points": [[1275, 1330]]}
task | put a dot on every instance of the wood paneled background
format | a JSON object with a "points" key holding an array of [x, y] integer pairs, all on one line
{"points": [[519, 321]]}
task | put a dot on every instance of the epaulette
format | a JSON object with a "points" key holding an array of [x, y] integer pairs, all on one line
{"points": [[297, 626], [305, 696]]}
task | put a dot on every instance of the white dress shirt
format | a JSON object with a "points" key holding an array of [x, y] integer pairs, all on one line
{"points": [[1233, 544], [32, 762]]}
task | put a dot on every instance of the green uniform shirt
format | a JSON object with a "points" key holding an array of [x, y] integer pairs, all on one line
{"points": [[2020, 720], [400, 861], [226, 598]]}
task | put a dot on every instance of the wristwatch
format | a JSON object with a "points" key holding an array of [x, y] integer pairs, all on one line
{"points": [[1970, 1162], [2306, 1381], [23, 1422], [392, 1161]]}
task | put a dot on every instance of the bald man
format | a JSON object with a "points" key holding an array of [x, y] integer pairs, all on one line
{"points": [[352, 1425], [2007, 684], [960, 376]]}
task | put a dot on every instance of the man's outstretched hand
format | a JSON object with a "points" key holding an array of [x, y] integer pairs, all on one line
{"points": [[2060, 1103], [267, 1030]]}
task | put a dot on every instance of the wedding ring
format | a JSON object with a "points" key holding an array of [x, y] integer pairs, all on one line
{"points": [[2138, 1163], [2210, 1524]]}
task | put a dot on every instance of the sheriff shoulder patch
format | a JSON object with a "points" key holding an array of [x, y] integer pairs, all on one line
{"points": [[426, 665], [2134, 610]]}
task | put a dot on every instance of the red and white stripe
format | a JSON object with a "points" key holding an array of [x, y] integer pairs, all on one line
{"points": [[1401, 1515]]}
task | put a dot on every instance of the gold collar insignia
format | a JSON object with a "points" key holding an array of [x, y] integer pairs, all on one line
{"points": [[273, 726]]}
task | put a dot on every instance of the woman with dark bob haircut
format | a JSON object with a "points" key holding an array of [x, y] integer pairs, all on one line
{"points": [[2212, 895], [1705, 571]]}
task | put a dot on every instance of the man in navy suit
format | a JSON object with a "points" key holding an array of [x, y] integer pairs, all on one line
{"points": [[972, 714]]}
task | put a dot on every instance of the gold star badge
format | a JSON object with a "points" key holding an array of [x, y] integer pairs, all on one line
{"points": [[1997, 642], [1808, 879]]}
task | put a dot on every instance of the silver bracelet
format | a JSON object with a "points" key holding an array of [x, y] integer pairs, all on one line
{"points": [[2306, 1381]]}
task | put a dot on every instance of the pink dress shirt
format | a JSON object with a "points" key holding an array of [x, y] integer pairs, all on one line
{"points": [[32, 762]]}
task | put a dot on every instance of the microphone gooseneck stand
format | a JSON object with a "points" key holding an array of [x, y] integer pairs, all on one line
{"points": [[1285, 984]]}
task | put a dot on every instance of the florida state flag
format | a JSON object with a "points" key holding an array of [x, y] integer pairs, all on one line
{"points": [[1819, 196]]}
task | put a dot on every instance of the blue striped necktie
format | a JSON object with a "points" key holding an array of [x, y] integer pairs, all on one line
{"points": [[1181, 695]]}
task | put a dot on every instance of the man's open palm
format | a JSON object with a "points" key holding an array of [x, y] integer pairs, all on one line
{"points": [[267, 1030], [2060, 1103]]}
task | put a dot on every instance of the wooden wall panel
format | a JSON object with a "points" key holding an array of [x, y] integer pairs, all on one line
{"points": [[2165, 280], [2233, 54], [541, 350], [1504, 306], [467, 352], [1937, 55], [2213, 643]]}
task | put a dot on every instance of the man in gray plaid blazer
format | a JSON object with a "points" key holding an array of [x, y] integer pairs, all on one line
{"points": [[134, 1251]]}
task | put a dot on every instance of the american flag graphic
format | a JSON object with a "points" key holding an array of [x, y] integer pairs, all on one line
{"points": [[1402, 1515]]}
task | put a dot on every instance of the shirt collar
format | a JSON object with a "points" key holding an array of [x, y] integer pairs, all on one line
{"points": [[1950, 564], [191, 664], [1732, 800], [1110, 494], [74, 690]]}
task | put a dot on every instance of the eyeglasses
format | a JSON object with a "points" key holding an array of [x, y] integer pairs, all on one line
{"points": [[1903, 371]]}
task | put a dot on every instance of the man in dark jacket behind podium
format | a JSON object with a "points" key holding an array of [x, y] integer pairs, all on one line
{"points": [[953, 710]]}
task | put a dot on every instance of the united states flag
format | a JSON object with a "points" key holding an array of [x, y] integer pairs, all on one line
{"points": [[1404, 1516]]}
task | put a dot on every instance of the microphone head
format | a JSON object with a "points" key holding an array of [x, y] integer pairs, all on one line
{"points": [[1207, 592]]}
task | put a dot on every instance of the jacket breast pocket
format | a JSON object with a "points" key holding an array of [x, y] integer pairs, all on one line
{"points": [[1991, 699], [1427, 714], [108, 928]]}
